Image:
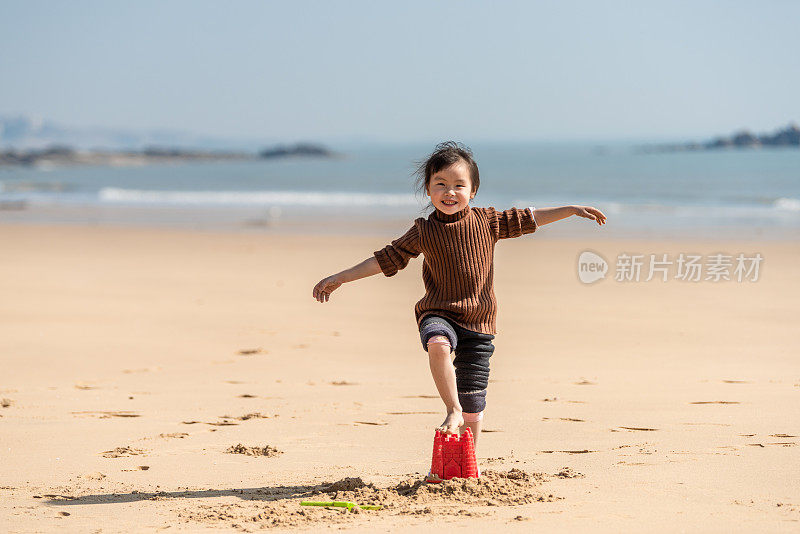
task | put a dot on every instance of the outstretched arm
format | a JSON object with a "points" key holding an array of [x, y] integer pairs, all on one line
{"points": [[387, 260], [549, 215], [324, 288], [515, 222], [366, 268]]}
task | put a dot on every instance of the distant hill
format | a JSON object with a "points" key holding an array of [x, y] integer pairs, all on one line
{"points": [[60, 155], [300, 149], [787, 137], [34, 133], [33, 141]]}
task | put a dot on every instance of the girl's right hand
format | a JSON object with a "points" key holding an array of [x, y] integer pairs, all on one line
{"points": [[326, 286]]}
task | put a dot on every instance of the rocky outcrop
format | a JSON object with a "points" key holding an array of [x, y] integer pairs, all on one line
{"points": [[65, 155], [300, 149], [787, 137]]}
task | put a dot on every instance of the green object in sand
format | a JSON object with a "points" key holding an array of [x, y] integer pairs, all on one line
{"points": [[341, 504]]}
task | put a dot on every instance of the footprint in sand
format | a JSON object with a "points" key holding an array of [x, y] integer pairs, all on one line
{"points": [[245, 417], [640, 428], [715, 402], [250, 352], [140, 468], [266, 451], [177, 435], [585, 382], [119, 452], [214, 423], [374, 423], [5, 403], [343, 383], [420, 397], [227, 420], [106, 415]]}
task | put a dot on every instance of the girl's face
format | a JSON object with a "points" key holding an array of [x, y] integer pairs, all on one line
{"points": [[450, 189]]}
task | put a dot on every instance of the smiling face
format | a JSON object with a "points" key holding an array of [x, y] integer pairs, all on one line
{"points": [[450, 189]]}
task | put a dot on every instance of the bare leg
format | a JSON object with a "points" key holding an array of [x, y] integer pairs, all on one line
{"points": [[476, 432], [444, 376]]}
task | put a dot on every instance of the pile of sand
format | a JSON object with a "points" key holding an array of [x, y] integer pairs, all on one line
{"points": [[412, 496]]}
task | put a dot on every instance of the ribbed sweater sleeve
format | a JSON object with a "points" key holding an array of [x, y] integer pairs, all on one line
{"points": [[396, 255], [512, 222]]}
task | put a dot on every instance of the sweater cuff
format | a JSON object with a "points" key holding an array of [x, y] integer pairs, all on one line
{"points": [[388, 268]]}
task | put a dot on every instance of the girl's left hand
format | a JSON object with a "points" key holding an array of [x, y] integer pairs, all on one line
{"points": [[590, 213]]}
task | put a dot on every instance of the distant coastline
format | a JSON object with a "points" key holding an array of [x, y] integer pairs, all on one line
{"points": [[60, 155], [786, 137]]}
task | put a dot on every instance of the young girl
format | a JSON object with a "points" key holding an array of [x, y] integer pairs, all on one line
{"points": [[458, 312]]}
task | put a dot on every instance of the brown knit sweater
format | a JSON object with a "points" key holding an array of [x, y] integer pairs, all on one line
{"points": [[458, 269]]}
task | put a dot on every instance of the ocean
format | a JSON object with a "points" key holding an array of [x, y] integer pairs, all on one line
{"points": [[710, 194]]}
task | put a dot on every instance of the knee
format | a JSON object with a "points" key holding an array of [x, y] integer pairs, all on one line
{"points": [[438, 332], [439, 345]]}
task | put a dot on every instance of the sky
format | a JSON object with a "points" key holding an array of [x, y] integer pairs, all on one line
{"points": [[412, 71]]}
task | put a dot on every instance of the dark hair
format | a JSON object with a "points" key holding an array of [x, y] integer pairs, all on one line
{"points": [[444, 155]]}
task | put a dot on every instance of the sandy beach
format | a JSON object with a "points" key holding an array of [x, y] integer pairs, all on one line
{"points": [[133, 360]]}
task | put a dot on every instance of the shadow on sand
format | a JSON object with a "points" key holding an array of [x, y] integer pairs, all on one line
{"points": [[267, 494]]}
